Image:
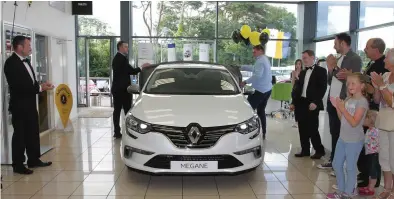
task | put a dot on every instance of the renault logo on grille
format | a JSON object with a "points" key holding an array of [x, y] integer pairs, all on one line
{"points": [[194, 135]]}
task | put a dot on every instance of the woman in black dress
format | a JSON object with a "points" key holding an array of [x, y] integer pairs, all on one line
{"points": [[294, 79]]}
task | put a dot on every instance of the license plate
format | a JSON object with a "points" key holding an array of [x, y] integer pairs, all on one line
{"points": [[194, 165]]}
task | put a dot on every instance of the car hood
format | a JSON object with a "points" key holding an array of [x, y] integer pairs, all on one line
{"points": [[181, 110]]}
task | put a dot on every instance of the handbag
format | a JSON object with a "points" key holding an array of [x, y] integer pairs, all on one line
{"points": [[383, 121]]}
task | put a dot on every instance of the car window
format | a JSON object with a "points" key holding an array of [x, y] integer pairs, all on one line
{"points": [[191, 81]]}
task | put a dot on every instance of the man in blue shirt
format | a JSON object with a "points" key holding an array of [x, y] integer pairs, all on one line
{"points": [[261, 81]]}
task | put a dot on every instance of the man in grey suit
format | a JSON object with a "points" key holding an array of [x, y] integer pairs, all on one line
{"points": [[348, 62]]}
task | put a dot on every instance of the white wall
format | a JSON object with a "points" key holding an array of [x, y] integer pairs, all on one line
{"points": [[49, 21]]}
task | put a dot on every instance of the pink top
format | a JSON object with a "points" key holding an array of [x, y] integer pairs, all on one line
{"points": [[372, 141]]}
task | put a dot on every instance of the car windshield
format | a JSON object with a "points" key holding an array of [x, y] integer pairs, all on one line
{"points": [[191, 81]]}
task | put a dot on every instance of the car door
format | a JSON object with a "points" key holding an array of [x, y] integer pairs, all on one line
{"points": [[236, 72], [145, 73]]}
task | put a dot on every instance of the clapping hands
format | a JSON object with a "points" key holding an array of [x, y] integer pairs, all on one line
{"points": [[343, 73], [377, 80], [338, 103], [47, 86]]}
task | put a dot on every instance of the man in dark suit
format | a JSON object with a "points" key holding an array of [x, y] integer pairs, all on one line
{"points": [[23, 88], [308, 96], [121, 80]]}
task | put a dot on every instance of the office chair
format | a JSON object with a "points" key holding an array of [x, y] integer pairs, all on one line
{"points": [[282, 92]]}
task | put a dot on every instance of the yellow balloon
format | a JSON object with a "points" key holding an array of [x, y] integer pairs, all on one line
{"points": [[245, 31], [266, 31], [254, 38]]}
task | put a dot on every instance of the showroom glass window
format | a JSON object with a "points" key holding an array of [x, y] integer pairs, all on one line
{"points": [[232, 15], [324, 48], [385, 33], [105, 20], [277, 16], [376, 12], [281, 53], [174, 18], [332, 17]]}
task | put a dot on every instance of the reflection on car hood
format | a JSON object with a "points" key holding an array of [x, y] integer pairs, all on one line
{"points": [[181, 110]]}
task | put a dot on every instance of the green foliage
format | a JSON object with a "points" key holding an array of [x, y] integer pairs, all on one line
{"points": [[202, 19], [99, 58], [193, 19], [99, 49]]}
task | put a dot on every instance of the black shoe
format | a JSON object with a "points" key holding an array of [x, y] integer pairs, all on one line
{"points": [[300, 155], [263, 136], [117, 135], [22, 170], [39, 164], [317, 156]]}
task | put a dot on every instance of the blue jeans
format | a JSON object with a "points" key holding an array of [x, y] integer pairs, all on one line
{"points": [[349, 152], [258, 100]]}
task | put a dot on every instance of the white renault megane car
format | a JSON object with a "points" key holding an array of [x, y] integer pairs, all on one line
{"points": [[191, 117]]}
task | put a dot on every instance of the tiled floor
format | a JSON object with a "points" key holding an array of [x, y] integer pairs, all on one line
{"points": [[87, 165]]}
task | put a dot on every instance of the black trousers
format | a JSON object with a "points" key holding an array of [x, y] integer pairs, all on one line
{"points": [[335, 127], [123, 101], [308, 127], [26, 136], [259, 100], [374, 170]]}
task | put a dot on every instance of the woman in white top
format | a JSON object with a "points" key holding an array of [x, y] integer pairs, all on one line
{"points": [[384, 89]]}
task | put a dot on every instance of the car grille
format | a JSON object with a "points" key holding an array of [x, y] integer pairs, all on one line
{"points": [[164, 161], [179, 135]]}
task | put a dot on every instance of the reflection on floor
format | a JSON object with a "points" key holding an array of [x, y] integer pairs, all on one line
{"points": [[87, 165], [95, 112]]}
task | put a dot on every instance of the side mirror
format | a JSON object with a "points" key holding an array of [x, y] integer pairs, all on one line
{"points": [[133, 89]]}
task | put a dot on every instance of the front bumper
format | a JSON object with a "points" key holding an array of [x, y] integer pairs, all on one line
{"points": [[155, 153]]}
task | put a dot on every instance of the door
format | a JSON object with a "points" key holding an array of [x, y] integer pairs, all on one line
{"points": [[95, 71], [82, 72], [41, 57]]}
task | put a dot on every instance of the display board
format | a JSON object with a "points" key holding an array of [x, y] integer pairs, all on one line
{"points": [[145, 54]]}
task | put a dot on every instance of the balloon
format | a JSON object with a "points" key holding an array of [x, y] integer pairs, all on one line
{"points": [[246, 41], [236, 36], [264, 37], [254, 38], [245, 31], [266, 30]]}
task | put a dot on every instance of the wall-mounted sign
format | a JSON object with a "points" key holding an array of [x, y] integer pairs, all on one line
{"points": [[204, 52], [187, 52], [171, 52], [82, 7], [145, 54]]}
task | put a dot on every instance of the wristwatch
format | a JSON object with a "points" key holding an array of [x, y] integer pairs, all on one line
{"points": [[382, 87]]}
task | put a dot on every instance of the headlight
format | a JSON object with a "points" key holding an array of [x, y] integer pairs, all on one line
{"points": [[137, 125], [248, 126]]}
